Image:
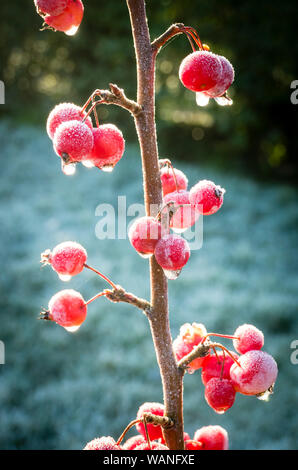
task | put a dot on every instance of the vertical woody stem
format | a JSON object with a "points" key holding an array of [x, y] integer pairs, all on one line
{"points": [[171, 375]]}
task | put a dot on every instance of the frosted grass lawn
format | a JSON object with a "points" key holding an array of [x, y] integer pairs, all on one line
{"points": [[59, 390]]}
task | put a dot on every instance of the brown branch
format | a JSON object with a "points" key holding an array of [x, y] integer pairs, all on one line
{"points": [[117, 96], [171, 375], [173, 30], [200, 351], [163, 421], [120, 295]]}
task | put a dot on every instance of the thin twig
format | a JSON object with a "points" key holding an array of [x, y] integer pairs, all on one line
{"points": [[173, 30], [105, 278], [117, 97], [201, 350], [147, 433], [218, 345], [120, 295], [164, 421], [100, 294], [220, 336], [128, 427]]}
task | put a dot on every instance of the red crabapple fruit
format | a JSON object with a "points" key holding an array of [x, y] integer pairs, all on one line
{"points": [[69, 20], [134, 442], [189, 337], [220, 394], [102, 443], [213, 366], [50, 7], [212, 438], [206, 197], [68, 309], [172, 253], [67, 259], [192, 445], [108, 148], [183, 217], [256, 375], [200, 71], [154, 446], [226, 79], [168, 181], [144, 235], [155, 432], [72, 141], [250, 338], [65, 112]]}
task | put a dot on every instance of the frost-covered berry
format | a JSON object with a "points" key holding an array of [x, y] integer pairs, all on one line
{"points": [[200, 71], [212, 438], [189, 337], [67, 258], [67, 308], [213, 366], [250, 338], [154, 446], [134, 442], [69, 20], [192, 445], [168, 181], [65, 112], [256, 375], [207, 197], [155, 432], [172, 253], [144, 234], [108, 148], [183, 217], [220, 394], [50, 7], [102, 443], [225, 81], [72, 141]]}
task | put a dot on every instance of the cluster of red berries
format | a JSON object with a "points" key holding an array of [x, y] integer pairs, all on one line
{"points": [[67, 307], [134, 443], [76, 140], [61, 15], [149, 235], [254, 372], [205, 438]]}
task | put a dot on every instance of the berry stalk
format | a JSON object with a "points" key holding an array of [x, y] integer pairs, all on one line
{"points": [[105, 278], [100, 294]]}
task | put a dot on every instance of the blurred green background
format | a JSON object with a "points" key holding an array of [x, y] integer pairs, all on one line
{"points": [[59, 390]]}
